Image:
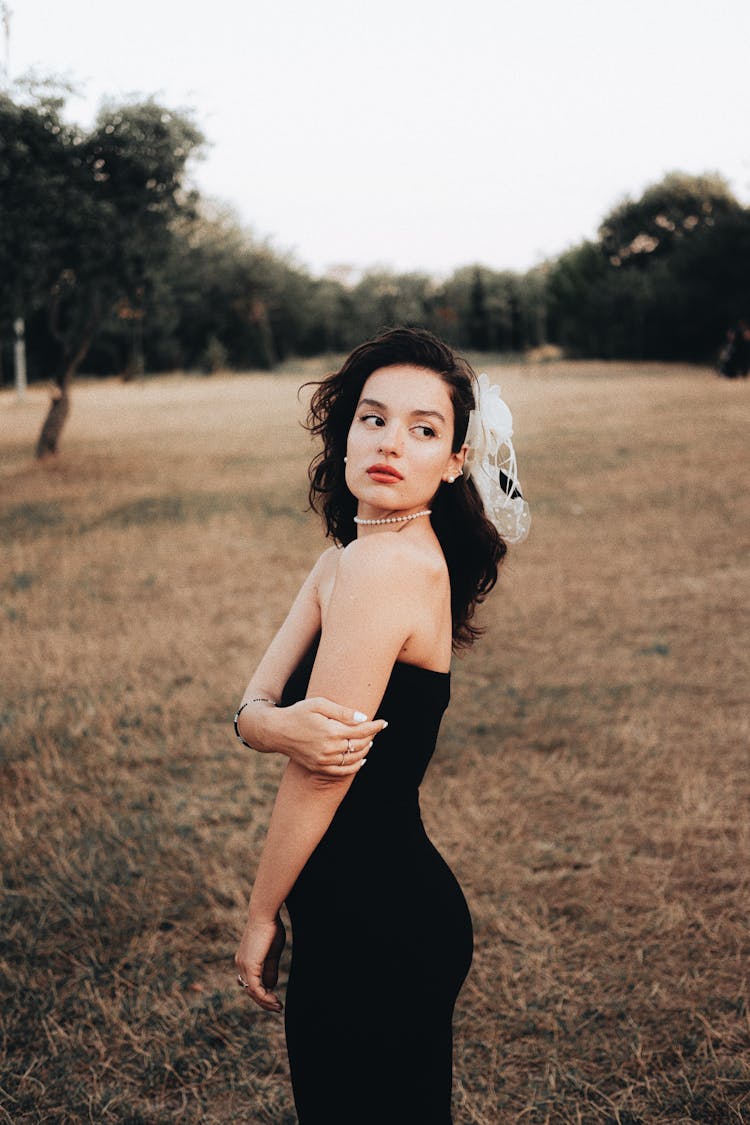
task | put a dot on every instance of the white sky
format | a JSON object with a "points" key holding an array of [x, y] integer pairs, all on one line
{"points": [[420, 134]]}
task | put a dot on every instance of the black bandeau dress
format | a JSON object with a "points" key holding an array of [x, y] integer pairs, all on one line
{"points": [[381, 933]]}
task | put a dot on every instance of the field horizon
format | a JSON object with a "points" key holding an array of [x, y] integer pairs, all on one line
{"points": [[590, 789]]}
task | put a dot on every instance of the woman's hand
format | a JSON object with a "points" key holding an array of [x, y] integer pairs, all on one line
{"points": [[257, 961], [319, 735], [325, 738]]}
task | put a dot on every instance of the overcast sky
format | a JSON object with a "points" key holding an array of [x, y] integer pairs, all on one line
{"points": [[419, 134]]}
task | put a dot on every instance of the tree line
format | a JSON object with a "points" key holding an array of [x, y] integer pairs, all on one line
{"points": [[116, 265]]}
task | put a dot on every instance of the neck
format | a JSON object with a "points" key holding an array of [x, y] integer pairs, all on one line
{"points": [[392, 520]]}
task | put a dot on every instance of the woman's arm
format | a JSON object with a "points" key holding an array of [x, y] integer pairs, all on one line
{"points": [[370, 617], [317, 733]]}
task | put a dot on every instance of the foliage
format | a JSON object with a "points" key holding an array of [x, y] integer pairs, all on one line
{"points": [[92, 212], [92, 222], [117, 267], [490, 310], [91, 219], [37, 180], [667, 213], [669, 273]]}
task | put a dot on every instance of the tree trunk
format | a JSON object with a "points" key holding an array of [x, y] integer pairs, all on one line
{"points": [[135, 366], [259, 315], [59, 407], [58, 411]]}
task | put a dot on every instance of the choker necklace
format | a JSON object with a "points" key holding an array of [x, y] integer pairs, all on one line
{"points": [[393, 519]]}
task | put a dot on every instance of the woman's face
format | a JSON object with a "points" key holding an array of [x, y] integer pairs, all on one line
{"points": [[399, 445]]}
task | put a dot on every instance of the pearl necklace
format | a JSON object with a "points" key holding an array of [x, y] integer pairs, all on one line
{"points": [[393, 519]]}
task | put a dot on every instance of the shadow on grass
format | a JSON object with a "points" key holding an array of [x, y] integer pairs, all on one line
{"points": [[25, 521]]}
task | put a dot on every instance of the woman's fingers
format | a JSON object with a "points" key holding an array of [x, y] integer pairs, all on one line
{"points": [[257, 962], [333, 710], [357, 753], [270, 972], [352, 764], [345, 756], [258, 981], [268, 1001], [329, 739], [357, 724], [342, 739]]}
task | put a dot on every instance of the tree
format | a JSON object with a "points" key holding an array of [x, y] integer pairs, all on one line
{"points": [[33, 174], [478, 321], [97, 221], [700, 291], [228, 287], [575, 289], [484, 309], [637, 232], [383, 299], [666, 277]]}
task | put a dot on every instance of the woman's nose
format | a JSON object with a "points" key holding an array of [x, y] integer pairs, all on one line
{"points": [[391, 440]]}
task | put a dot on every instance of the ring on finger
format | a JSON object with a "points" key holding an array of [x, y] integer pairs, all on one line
{"points": [[241, 982], [343, 755], [348, 746]]}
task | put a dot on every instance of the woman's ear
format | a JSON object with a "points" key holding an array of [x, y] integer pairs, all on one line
{"points": [[455, 466]]}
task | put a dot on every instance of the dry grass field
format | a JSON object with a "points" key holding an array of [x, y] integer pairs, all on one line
{"points": [[591, 787]]}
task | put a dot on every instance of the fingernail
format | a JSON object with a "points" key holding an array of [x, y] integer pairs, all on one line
{"points": [[362, 762], [384, 725], [359, 717], [370, 747]]}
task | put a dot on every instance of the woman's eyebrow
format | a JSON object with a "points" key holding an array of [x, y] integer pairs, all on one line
{"points": [[415, 413]]}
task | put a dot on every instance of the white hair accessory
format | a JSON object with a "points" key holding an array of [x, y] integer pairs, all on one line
{"points": [[491, 462]]}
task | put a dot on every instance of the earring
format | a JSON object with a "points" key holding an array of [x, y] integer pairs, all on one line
{"points": [[345, 460], [451, 480]]}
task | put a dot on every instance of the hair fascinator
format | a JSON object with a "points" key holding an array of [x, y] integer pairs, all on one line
{"points": [[491, 462]]}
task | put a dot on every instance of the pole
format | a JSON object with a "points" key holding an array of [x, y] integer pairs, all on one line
{"points": [[19, 349], [19, 356], [5, 14]]}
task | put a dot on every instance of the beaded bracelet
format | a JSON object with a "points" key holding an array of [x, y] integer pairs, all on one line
{"points": [[240, 709]]}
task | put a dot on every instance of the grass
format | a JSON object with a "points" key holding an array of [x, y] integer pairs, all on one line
{"points": [[591, 787]]}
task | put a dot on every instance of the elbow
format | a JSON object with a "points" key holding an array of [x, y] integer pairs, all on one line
{"points": [[321, 782], [318, 785]]}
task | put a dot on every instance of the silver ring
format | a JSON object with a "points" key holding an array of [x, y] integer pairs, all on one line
{"points": [[241, 982], [348, 745], [343, 755]]}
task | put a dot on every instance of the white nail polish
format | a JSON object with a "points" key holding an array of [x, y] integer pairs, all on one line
{"points": [[359, 717]]}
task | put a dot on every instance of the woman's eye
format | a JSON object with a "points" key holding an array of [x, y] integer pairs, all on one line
{"points": [[426, 431], [373, 419]]}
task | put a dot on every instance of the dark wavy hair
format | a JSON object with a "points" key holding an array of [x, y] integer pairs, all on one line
{"points": [[472, 546]]}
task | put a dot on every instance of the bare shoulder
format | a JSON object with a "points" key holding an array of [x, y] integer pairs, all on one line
{"points": [[327, 559], [392, 561], [395, 552], [302, 623], [405, 570], [382, 603], [323, 574], [326, 562], [392, 595]]}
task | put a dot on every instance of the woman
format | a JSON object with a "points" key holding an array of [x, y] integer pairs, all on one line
{"points": [[382, 933]]}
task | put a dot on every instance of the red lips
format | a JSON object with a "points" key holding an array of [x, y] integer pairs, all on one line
{"points": [[385, 474]]}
